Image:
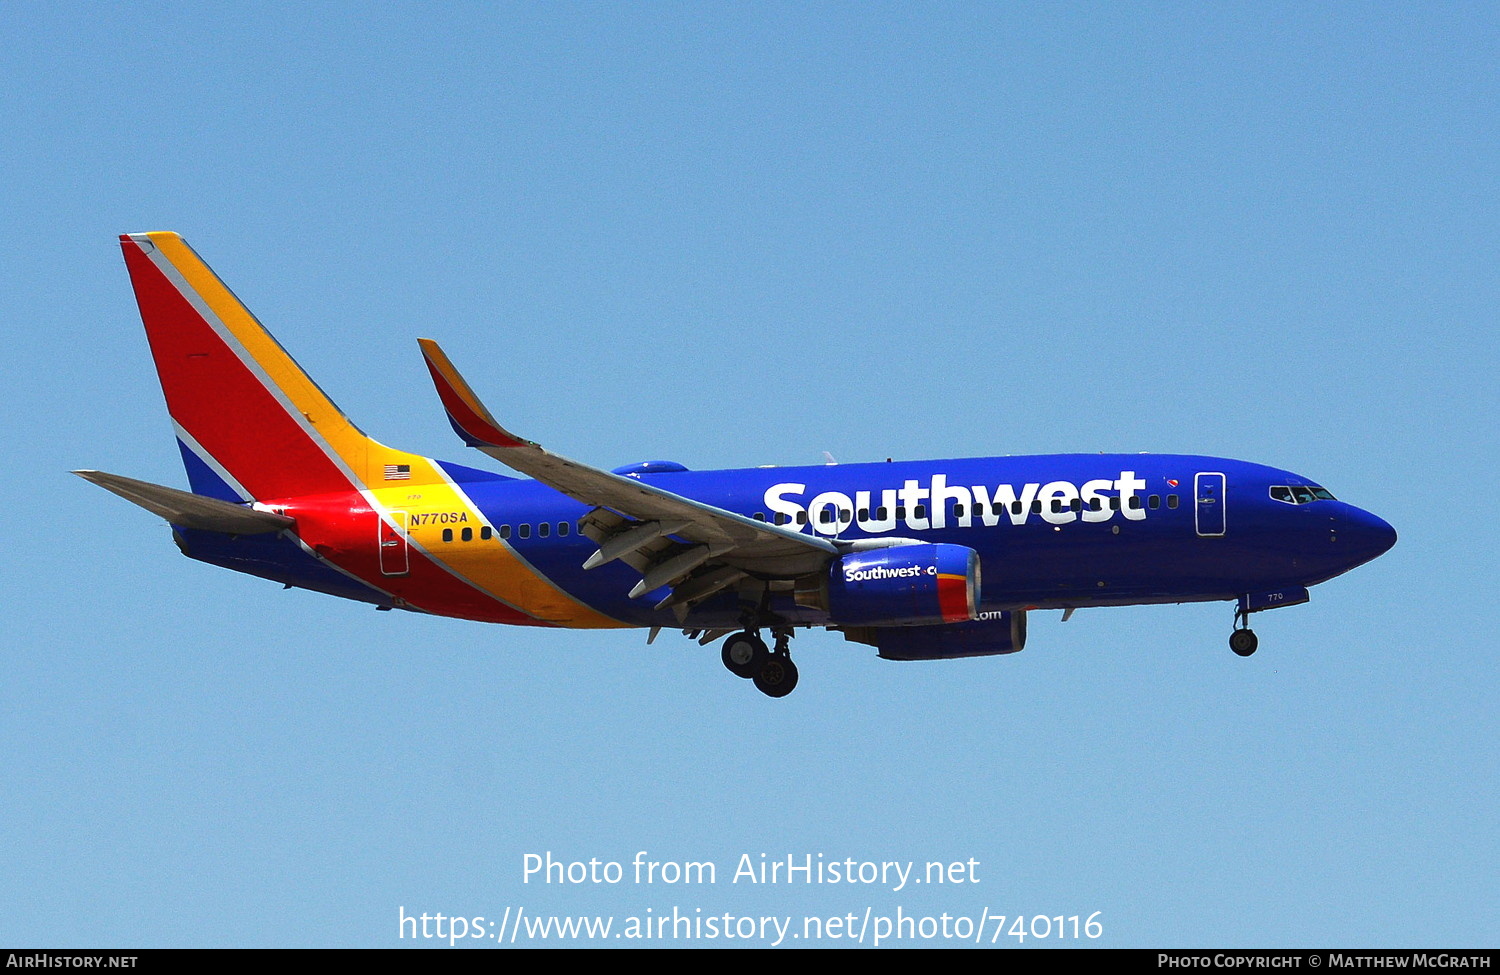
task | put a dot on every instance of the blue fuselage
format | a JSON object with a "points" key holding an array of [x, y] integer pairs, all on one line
{"points": [[1067, 530]]}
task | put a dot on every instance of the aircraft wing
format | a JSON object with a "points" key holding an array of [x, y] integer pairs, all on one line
{"points": [[633, 520], [190, 510]]}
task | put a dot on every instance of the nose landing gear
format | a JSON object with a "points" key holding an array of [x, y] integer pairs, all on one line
{"points": [[1242, 640], [745, 655]]}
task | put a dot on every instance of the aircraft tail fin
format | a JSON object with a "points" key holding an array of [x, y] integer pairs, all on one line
{"points": [[252, 425]]}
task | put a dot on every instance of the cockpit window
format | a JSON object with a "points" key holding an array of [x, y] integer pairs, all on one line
{"points": [[1300, 493]]}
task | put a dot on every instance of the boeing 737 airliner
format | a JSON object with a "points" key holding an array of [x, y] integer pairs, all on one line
{"points": [[285, 487]]}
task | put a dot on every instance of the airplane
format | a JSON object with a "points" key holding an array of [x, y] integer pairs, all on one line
{"points": [[284, 486]]}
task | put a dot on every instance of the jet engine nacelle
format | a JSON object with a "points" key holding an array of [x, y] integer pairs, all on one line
{"points": [[1006, 633], [907, 584]]}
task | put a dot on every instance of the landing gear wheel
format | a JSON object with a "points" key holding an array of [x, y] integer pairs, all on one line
{"points": [[1243, 642], [777, 676], [744, 654]]}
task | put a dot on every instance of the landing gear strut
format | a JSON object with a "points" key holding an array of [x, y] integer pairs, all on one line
{"points": [[1242, 641], [745, 655]]}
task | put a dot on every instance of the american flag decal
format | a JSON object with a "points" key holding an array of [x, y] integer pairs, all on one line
{"points": [[397, 472]]}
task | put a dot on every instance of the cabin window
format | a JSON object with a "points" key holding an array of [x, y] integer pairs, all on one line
{"points": [[1153, 502], [864, 514], [484, 533], [562, 529], [1036, 507], [467, 535], [826, 516], [801, 517], [504, 531], [1076, 504], [781, 517], [543, 530], [760, 516], [1015, 508], [447, 534], [920, 511], [1135, 503], [880, 513], [1171, 501], [523, 530]]}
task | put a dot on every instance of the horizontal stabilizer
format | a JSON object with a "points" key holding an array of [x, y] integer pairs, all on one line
{"points": [[190, 510]]}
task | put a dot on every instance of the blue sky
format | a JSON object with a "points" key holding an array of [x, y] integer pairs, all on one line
{"points": [[746, 234]]}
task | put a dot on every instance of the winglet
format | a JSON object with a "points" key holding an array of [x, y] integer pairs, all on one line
{"points": [[470, 420]]}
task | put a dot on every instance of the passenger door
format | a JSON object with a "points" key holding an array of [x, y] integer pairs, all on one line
{"points": [[1208, 505]]}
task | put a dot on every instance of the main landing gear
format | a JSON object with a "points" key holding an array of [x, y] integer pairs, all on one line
{"points": [[745, 655], [1242, 640]]}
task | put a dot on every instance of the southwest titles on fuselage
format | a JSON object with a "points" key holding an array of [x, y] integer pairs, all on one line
{"points": [[922, 508]]}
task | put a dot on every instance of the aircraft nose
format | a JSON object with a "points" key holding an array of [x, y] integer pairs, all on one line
{"points": [[1364, 536]]}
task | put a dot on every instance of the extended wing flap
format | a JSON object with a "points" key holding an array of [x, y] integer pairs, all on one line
{"points": [[190, 510], [731, 538]]}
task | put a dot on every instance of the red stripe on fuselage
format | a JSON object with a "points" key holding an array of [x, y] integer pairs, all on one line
{"points": [[345, 530]]}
